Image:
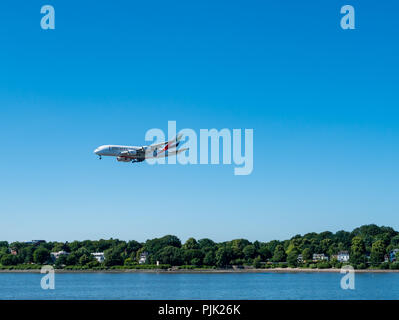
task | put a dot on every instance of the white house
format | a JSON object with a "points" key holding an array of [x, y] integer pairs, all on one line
{"points": [[143, 258], [319, 257], [56, 255], [99, 256], [343, 256]]}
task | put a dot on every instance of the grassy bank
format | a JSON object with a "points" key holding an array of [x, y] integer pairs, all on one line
{"points": [[184, 269]]}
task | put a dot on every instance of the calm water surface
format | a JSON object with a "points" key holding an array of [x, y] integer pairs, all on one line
{"points": [[199, 286]]}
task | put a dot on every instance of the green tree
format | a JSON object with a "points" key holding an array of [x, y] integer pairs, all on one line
{"points": [[192, 256], [325, 245], [157, 244], [191, 243], [377, 252], [239, 244], [82, 251], [343, 238], [132, 247], [86, 259], [395, 241], [236, 247], [195, 261], [113, 257], [249, 251], [257, 262], [206, 244], [279, 254], [272, 245], [25, 254], [292, 258], [102, 245], [7, 260], [294, 244], [222, 257], [265, 253], [58, 246], [129, 262], [210, 259], [41, 256], [75, 245], [61, 261], [170, 255], [72, 259], [3, 244], [358, 250], [306, 254]]}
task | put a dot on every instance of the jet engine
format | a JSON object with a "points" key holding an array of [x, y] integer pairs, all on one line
{"points": [[123, 159]]}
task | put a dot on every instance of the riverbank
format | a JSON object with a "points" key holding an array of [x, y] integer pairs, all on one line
{"points": [[210, 271]]}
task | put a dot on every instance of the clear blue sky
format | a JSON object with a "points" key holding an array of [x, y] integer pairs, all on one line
{"points": [[323, 103]]}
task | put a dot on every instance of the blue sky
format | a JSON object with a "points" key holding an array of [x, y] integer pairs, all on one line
{"points": [[323, 103]]}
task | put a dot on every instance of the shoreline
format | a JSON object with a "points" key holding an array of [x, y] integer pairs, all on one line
{"points": [[208, 271]]}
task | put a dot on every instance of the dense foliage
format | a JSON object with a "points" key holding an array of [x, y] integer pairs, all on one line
{"points": [[368, 246]]}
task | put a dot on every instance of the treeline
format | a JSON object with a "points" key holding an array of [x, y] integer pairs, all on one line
{"points": [[368, 246]]}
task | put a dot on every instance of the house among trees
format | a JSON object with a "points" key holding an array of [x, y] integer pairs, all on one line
{"points": [[319, 257], [343, 256], [99, 256], [369, 246], [143, 257], [393, 254], [56, 255]]}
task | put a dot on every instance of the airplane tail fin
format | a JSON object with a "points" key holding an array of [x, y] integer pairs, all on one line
{"points": [[173, 143]]}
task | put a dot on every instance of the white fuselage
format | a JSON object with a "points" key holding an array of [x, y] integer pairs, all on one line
{"points": [[115, 151]]}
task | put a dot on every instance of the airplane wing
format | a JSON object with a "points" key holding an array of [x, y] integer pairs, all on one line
{"points": [[168, 153]]}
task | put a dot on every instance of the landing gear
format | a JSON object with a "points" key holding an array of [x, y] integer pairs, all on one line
{"points": [[99, 157], [138, 160]]}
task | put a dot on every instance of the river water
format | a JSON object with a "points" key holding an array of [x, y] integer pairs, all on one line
{"points": [[199, 286]]}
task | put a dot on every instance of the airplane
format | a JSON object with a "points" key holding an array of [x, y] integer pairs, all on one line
{"points": [[138, 154]]}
